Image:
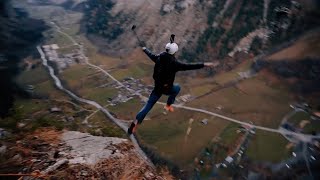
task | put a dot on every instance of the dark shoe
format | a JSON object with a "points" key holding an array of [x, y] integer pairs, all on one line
{"points": [[132, 128]]}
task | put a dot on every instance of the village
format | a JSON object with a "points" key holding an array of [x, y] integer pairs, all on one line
{"points": [[139, 88]]}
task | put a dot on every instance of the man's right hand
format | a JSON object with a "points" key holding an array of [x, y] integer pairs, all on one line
{"points": [[144, 48], [208, 64]]}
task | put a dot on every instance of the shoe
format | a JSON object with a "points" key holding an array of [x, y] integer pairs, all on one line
{"points": [[169, 108], [132, 128]]}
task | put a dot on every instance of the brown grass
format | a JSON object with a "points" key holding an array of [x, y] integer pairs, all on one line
{"points": [[127, 166], [306, 46], [48, 135]]}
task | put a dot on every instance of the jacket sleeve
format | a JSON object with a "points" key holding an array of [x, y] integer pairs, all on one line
{"points": [[153, 57], [188, 66]]}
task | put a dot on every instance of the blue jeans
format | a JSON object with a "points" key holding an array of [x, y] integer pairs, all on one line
{"points": [[154, 97]]}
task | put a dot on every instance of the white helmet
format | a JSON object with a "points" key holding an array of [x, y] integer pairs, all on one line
{"points": [[171, 48]]}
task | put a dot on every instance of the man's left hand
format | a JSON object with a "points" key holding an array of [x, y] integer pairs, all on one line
{"points": [[208, 64]]}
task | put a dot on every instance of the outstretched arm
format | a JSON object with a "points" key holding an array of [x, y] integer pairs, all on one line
{"points": [[191, 66], [153, 57], [188, 66]]}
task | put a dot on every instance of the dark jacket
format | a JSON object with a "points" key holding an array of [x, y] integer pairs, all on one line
{"points": [[165, 69]]}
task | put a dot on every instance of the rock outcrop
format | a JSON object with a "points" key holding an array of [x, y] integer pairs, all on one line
{"points": [[88, 149], [75, 155]]}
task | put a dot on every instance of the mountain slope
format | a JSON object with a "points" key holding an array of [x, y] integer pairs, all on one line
{"points": [[155, 22], [206, 30]]}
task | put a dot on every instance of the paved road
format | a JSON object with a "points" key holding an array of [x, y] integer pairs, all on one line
{"points": [[119, 122]]}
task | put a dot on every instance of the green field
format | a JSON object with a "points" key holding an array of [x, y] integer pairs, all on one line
{"points": [[167, 134], [59, 39], [108, 128], [66, 50], [77, 72], [227, 138], [229, 134], [48, 89], [137, 71], [266, 146], [33, 76], [252, 100], [85, 80], [73, 29], [225, 77], [100, 95], [298, 117], [200, 90], [101, 60], [41, 81], [28, 107], [127, 110], [313, 127]]}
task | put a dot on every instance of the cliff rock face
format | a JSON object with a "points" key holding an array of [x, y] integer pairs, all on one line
{"points": [[18, 35], [155, 21]]}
